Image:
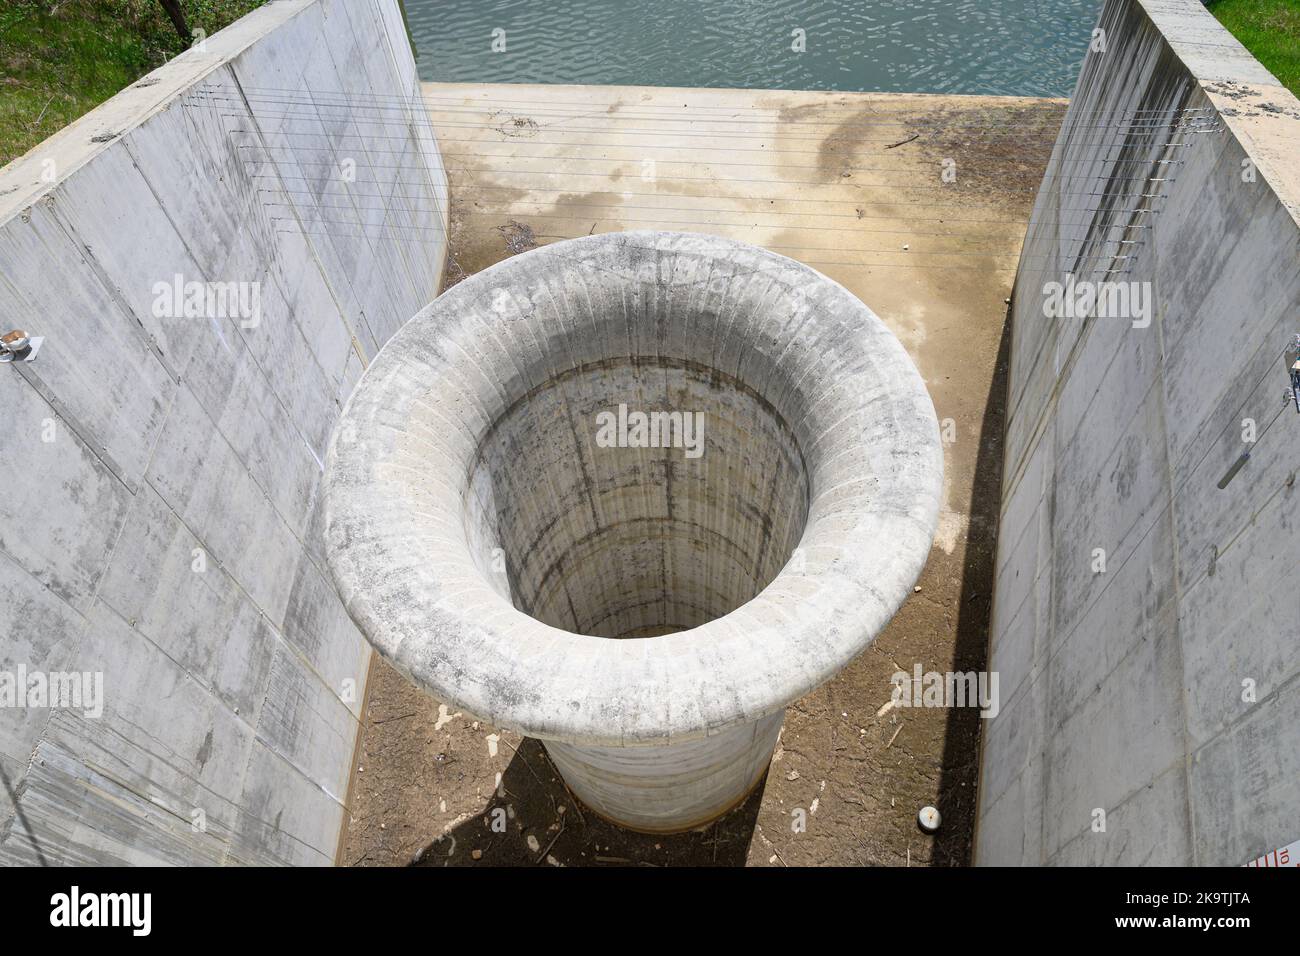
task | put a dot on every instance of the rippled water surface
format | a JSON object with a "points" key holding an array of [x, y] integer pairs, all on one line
{"points": [[1007, 47]]}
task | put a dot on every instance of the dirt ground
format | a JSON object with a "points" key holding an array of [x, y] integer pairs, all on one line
{"points": [[935, 260]]}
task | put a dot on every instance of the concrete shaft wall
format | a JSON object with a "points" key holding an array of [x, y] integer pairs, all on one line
{"points": [[1145, 621], [648, 788], [675, 538], [159, 522]]}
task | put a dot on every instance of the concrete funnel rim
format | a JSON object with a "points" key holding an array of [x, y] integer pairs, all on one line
{"points": [[406, 576]]}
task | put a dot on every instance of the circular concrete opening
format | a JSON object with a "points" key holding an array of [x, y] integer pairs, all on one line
{"points": [[636, 496], [709, 452]]}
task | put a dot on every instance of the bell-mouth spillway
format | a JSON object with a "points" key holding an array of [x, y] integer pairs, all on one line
{"points": [[707, 451]]}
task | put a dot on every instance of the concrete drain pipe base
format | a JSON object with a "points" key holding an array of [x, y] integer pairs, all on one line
{"points": [[633, 494]]}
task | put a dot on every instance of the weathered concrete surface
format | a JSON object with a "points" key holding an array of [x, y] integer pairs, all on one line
{"points": [[159, 522], [628, 596], [1161, 686], [858, 776], [663, 790]]}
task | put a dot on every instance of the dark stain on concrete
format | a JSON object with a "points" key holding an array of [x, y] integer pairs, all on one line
{"points": [[205, 752]]}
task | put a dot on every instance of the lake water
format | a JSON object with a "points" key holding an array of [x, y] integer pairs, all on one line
{"points": [[1004, 47]]}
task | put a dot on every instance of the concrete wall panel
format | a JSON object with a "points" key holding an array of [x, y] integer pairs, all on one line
{"points": [[1124, 689], [161, 520], [66, 523]]}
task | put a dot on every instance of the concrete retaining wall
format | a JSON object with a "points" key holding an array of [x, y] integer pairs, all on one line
{"points": [[1158, 682], [159, 522]]}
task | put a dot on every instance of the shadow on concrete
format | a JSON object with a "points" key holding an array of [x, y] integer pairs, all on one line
{"points": [[959, 767], [545, 825], [21, 817]]}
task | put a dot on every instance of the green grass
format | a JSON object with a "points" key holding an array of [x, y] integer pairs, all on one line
{"points": [[60, 59], [1270, 30]]}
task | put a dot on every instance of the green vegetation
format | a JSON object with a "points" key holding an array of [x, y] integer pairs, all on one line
{"points": [[62, 58], [1270, 30]]}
